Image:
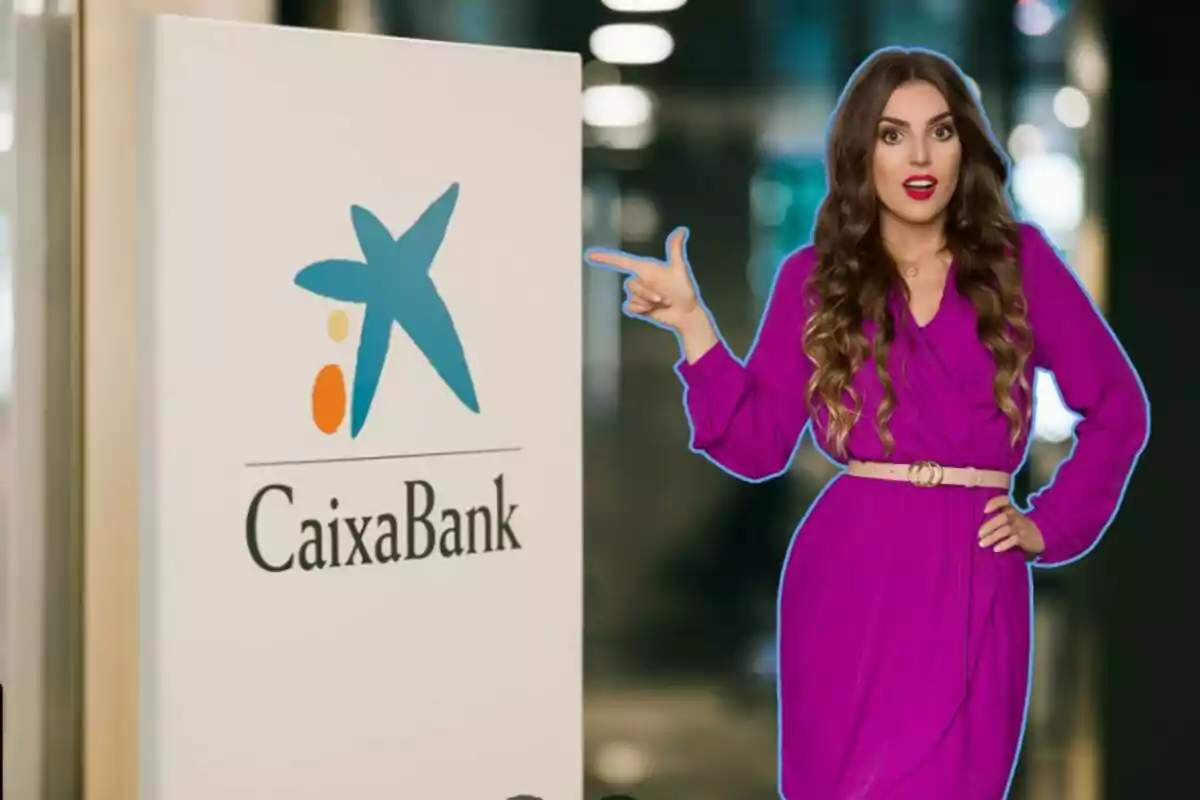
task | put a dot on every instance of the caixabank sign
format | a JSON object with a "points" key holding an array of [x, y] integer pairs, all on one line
{"points": [[393, 288], [360, 422]]}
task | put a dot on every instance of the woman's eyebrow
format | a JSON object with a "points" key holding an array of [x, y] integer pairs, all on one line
{"points": [[902, 124]]}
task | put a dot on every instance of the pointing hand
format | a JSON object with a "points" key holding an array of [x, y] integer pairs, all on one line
{"points": [[662, 291]]}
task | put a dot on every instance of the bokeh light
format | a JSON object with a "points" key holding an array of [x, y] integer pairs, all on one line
{"points": [[631, 43], [644, 6], [1053, 421], [1049, 188], [1026, 140], [622, 106], [1072, 108], [1034, 17], [1089, 66]]}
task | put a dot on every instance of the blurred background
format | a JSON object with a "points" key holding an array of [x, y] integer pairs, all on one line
{"points": [[711, 113]]}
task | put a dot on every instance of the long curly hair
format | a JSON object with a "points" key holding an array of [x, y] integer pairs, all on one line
{"points": [[854, 273]]}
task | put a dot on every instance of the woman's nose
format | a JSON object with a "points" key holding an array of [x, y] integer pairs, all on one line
{"points": [[919, 155]]}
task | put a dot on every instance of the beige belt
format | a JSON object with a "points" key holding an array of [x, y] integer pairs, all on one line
{"points": [[930, 473]]}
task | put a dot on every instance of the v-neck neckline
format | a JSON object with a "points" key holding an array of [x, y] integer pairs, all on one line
{"points": [[941, 304]]}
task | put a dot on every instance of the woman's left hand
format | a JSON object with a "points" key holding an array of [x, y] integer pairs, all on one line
{"points": [[1009, 528]]}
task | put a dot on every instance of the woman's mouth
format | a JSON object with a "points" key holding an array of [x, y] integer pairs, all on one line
{"points": [[920, 187]]}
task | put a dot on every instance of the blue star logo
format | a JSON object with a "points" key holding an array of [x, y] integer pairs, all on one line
{"points": [[394, 285]]}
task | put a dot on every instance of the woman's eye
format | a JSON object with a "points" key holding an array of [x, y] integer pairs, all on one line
{"points": [[890, 135], [943, 132]]}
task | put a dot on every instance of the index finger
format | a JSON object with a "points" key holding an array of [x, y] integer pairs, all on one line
{"points": [[621, 262]]}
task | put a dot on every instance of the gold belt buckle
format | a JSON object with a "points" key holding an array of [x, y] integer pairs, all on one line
{"points": [[926, 474]]}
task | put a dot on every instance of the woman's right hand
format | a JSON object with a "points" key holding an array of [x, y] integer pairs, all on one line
{"points": [[663, 292]]}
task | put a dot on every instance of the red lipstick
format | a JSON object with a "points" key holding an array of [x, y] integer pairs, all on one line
{"points": [[920, 187]]}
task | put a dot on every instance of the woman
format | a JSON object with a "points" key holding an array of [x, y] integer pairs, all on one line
{"points": [[907, 335]]}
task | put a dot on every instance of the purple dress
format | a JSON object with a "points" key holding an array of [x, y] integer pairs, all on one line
{"points": [[904, 647]]}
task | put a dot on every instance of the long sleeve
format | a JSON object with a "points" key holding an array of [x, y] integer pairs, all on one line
{"points": [[748, 417], [1098, 382]]}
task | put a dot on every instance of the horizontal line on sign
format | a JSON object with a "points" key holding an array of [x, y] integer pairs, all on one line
{"points": [[385, 457]]}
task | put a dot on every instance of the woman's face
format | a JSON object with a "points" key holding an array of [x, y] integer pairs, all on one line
{"points": [[917, 154]]}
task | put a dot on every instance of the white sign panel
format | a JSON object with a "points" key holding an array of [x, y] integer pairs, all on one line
{"points": [[361, 417]]}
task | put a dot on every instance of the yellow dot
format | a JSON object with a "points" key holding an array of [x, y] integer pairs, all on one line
{"points": [[339, 325]]}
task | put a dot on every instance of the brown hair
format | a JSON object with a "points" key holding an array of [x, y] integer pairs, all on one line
{"points": [[854, 272]]}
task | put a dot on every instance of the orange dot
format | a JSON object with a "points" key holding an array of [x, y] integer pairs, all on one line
{"points": [[329, 398]]}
